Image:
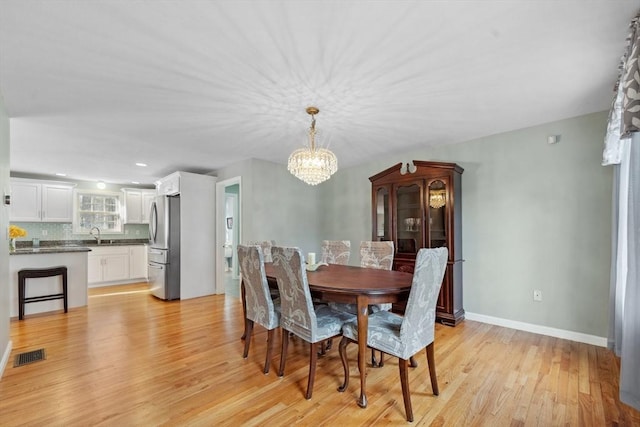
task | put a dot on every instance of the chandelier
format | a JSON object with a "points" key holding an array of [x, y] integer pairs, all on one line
{"points": [[437, 198], [310, 164]]}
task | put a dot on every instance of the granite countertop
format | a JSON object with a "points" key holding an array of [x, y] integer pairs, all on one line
{"points": [[62, 246], [48, 250]]}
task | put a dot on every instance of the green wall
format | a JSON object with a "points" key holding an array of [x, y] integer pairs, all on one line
{"points": [[535, 216], [276, 206]]}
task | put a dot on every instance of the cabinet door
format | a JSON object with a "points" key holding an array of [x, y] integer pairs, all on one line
{"points": [[26, 201], [133, 207], [138, 262], [94, 269], [409, 216], [438, 230], [382, 214], [115, 267], [57, 203], [147, 198]]}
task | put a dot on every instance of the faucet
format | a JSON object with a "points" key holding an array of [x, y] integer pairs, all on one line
{"points": [[98, 239]]}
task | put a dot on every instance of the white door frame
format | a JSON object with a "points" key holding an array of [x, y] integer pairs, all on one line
{"points": [[221, 224]]}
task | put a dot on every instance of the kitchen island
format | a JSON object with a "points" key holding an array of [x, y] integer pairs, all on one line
{"points": [[72, 257]]}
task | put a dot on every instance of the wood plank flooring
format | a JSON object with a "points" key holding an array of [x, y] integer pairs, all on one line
{"points": [[129, 359]]}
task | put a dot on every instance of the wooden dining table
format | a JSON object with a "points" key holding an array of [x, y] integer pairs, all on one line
{"points": [[362, 286]]}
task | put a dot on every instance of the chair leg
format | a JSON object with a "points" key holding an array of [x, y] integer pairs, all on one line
{"points": [[283, 353], [329, 343], [313, 358], [344, 342], [432, 369], [412, 362], [323, 348], [247, 338], [404, 381], [374, 362], [267, 361]]}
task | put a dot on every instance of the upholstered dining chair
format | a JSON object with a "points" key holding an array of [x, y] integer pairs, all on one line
{"points": [[405, 336], [265, 246], [298, 315], [336, 251], [260, 307], [377, 255]]}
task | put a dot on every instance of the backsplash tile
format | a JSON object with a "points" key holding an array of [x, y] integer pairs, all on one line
{"points": [[64, 231]]}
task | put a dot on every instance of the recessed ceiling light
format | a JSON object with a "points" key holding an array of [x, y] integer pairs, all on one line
{"points": [[143, 165], [135, 182], [61, 174], [101, 185]]}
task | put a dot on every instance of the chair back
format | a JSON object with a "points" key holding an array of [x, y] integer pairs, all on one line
{"points": [[260, 307], [377, 254], [336, 251], [265, 246], [418, 325], [297, 314]]}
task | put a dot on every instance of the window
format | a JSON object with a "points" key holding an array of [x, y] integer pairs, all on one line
{"points": [[97, 209]]}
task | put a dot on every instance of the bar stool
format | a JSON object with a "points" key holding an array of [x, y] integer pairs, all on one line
{"points": [[34, 273]]}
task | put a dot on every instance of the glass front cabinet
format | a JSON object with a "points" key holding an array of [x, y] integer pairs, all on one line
{"points": [[422, 209]]}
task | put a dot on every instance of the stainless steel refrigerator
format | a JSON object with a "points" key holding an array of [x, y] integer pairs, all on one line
{"points": [[164, 247]]}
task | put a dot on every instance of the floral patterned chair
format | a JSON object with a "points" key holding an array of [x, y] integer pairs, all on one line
{"points": [[260, 307], [266, 246], [336, 251], [298, 315], [404, 336], [377, 255]]}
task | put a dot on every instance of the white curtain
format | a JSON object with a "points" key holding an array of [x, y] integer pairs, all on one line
{"points": [[624, 325], [622, 148]]}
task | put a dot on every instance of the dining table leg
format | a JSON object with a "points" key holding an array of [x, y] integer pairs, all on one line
{"points": [[363, 327]]}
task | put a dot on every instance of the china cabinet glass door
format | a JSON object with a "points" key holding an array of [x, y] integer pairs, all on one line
{"points": [[409, 218], [437, 202], [382, 217]]}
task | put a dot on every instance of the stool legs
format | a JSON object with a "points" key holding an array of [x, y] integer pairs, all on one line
{"points": [[34, 273]]}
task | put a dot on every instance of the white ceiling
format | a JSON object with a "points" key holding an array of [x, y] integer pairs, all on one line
{"points": [[93, 87]]}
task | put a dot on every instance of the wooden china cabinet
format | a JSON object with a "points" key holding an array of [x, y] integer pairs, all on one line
{"points": [[420, 207]]}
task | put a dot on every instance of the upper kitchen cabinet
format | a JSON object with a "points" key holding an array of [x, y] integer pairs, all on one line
{"points": [[41, 201], [137, 203], [420, 207]]}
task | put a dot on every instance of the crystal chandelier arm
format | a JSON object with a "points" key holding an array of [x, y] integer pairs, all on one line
{"points": [[312, 133]]}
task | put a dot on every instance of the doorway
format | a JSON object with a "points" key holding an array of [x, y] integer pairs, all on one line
{"points": [[228, 236]]}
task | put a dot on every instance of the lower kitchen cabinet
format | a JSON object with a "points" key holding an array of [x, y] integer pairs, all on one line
{"points": [[113, 265], [138, 268]]}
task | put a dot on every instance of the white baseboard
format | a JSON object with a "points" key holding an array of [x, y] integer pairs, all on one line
{"points": [[5, 357], [537, 329]]}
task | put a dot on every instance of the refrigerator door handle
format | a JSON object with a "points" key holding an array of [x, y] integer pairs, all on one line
{"points": [[157, 267], [153, 222]]}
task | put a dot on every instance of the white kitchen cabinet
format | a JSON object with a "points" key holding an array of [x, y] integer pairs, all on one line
{"points": [[108, 264], [41, 201], [136, 205], [169, 185], [138, 262], [115, 265]]}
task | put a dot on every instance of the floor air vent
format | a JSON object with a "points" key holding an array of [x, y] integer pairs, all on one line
{"points": [[29, 357]]}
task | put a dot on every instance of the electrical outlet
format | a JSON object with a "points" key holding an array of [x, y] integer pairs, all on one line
{"points": [[537, 295], [44, 232]]}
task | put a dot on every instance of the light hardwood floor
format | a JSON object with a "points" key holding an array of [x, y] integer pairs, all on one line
{"points": [[129, 359]]}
